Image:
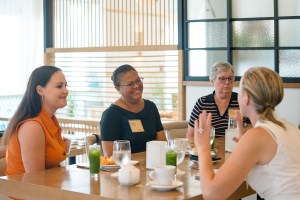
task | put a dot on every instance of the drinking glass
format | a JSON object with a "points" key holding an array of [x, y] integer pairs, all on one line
{"points": [[212, 135], [212, 139], [171, 154], [94, 159], [122, 152], [178, 146]]}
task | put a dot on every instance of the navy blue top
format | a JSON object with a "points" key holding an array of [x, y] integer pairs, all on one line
{"points": [[115, 126], [208, 103]]}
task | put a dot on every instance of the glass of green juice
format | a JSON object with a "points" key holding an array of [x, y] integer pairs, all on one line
{"points": [[171, 154], [94, 159]]}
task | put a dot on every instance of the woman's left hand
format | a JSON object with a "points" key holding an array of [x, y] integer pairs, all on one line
{"points": [[240, 125], [68, 145]]}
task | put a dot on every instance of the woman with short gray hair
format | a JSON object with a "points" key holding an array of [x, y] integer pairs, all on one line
{"points": [[219, 102], [219, 67]]}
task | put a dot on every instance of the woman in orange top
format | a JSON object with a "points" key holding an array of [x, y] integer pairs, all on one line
{"points": [[33, 136]]}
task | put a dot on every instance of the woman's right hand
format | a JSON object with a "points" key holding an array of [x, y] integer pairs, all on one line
{"points": [[202, 139]]}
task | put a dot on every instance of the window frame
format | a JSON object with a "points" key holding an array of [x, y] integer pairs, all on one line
{"points": [[200, 80]]}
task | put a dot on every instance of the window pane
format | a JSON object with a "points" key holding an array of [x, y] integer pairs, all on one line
{"points": [[206, 9], [245, 59], [200, 61], [288, 7], [21, 48], [252, 8], [289, 32], [289, 63], [253, 33], [207, 34]]}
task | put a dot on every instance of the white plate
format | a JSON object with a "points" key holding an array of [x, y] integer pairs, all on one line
{"points": [[155, 185], [179, 173], [86, 165], [115, 175], [194, 153], [133, 162], [110, 167]]}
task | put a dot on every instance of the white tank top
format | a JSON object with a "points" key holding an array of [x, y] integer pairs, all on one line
{"points": [[280, 178]]}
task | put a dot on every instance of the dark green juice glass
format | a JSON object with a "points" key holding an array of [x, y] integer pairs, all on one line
{"points": [[94, 160], [171, 158]]}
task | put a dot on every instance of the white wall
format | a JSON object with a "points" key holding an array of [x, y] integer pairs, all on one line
{"points": [[288, 108]]}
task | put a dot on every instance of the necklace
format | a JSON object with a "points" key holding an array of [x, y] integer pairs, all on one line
{"points": [[135, 108]]}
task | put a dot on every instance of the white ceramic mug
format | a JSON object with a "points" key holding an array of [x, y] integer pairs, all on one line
{"points": [[164, 174]]}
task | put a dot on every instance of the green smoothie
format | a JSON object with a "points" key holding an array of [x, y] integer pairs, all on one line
{"points": [[94, 159], [171, 158]]}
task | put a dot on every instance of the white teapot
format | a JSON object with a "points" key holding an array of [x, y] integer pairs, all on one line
{"points": [[129, 175]]}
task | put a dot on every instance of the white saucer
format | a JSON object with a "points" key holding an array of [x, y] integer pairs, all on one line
{"points": [[155, 185], [195, 153]]}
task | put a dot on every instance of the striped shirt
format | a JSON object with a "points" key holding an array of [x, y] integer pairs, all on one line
{"points": [[208, 103]]}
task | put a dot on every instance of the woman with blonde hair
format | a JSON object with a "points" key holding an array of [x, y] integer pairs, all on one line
{"points": [[266, 155]]}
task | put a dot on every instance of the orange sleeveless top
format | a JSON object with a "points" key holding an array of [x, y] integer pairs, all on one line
{"points": [[55, 148]]}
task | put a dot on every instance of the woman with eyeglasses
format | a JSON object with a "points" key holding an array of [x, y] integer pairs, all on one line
{"points": [[130, 117], [217, 103]]}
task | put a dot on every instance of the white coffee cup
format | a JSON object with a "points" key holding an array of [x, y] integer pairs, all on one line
{"points": [[164, 174]]}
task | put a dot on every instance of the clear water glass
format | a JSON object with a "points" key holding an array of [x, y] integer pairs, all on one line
{"points": [[122, 152], [212, 135]]}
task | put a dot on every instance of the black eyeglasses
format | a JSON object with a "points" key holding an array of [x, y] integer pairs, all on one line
{"points": [[131, 84], [230, 79]]}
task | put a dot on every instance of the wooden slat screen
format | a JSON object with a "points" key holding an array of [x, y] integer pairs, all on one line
{"points": [[93, 37], [107, 23], [91, 90]]}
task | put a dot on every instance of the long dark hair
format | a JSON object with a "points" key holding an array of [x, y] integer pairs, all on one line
{"points": [[31, 104]]}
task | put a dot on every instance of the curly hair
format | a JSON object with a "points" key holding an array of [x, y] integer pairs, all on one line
{"points": [[119, 72]]}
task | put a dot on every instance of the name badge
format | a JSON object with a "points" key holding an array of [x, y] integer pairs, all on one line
{"points": [[136, 125]]}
